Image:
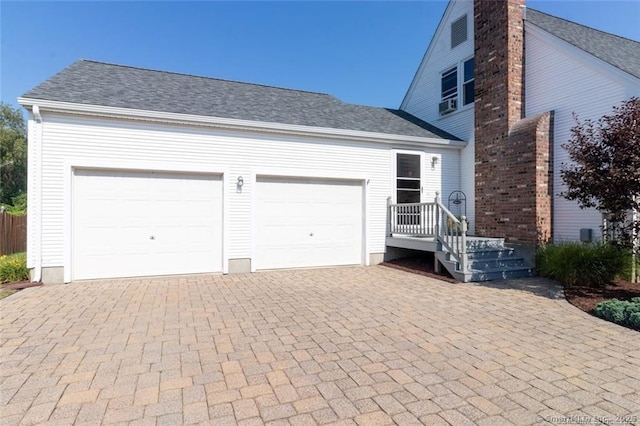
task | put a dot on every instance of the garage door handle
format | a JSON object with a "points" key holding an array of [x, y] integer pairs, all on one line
{"points": [[152, 237], [311, 234]]}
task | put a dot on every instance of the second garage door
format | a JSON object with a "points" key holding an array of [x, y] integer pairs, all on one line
{"points": [[308, 223], [129, 223]]}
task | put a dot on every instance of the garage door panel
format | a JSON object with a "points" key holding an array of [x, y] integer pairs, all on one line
{"points": [[128, 223], [307, 223]]}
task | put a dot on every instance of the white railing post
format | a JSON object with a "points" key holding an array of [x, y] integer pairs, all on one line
{"points": [[390, 217], [463, 252], [436, 230], [437, 227]]}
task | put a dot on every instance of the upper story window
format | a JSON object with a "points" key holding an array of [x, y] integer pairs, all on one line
{"points": [[467, 82], [450, 83], [455, 80], [459, 31]]}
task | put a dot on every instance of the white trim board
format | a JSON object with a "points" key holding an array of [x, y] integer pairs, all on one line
{"points": [[229, 123]]}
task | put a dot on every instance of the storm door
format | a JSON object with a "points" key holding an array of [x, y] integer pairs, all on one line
{"points": [[408, 187], [408, 178]]}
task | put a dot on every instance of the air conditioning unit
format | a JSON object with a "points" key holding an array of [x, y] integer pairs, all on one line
{"points": [[448, 105]]}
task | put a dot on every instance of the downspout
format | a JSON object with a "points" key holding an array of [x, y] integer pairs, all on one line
{"points": [[37, 177]]}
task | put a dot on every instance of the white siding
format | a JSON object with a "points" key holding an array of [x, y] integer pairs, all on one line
{"points": [[443, 177], [80, 139], [564, 79], [423, 96]]}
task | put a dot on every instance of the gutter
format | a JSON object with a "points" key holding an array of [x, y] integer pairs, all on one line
{"points": [[237, 124]]}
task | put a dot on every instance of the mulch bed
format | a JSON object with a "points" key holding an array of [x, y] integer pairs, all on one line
{"points": [[19, 285], [421, 265], [586, 298]]}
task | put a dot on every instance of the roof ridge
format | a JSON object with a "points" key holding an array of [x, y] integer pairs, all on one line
{"points": [[582, 25], [205, 77]]}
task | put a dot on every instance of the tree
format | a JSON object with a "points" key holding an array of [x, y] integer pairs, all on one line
{"points": [[605, 169], [13, 154]]}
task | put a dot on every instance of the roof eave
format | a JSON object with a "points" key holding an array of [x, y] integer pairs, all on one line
{"points": [[236, 124]]}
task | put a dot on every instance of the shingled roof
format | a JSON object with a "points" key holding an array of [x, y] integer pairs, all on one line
{"points": [[97, 83], [620, 52]]}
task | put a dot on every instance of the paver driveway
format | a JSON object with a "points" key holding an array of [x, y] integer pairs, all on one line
{"points": [[346, 345]]}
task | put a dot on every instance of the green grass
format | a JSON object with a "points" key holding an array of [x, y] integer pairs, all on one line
{"points": [[4, 293]]}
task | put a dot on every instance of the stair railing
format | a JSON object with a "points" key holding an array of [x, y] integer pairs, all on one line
{"points": [[431, 220], [451, 232]]}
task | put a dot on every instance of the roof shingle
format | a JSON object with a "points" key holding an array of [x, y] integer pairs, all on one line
{"points": [[97, 83]]}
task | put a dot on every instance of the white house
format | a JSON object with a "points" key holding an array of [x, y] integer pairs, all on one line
{"points": [[136, 172]]}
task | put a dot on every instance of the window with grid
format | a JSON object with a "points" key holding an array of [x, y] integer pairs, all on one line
{"points": [[467, 83], [449, 86]]}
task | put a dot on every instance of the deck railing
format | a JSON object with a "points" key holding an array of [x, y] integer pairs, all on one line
{"points": [[417, 219], [432, 220]]}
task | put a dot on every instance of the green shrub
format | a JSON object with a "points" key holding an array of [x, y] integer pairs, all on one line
{"points": [[18, 206], [578, 263], [13, 268], [621, 312], [634, 320]]}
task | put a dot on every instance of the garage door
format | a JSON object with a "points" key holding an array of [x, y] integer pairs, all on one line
{"points": [[307, 223], [128, 223]]}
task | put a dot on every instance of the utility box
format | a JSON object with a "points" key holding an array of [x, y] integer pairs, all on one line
{"points": [[586, 235]]}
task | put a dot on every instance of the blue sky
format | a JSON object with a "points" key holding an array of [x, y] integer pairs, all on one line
{"points": [[363, 52]]}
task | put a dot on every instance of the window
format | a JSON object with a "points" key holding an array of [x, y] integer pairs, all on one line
{"points": [[450, 83], [458, 79], [467, 82], [459, 31]]}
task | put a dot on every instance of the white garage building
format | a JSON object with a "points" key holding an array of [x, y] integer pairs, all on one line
{"points": [[135, 172]]}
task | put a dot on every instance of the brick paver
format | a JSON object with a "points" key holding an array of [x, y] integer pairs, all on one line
{"points": [[358, 346]]}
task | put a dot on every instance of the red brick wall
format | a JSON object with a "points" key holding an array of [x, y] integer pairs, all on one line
{"points": [[513, 162]]}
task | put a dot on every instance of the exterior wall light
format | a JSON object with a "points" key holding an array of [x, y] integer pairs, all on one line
{"points": [[434, 161]]}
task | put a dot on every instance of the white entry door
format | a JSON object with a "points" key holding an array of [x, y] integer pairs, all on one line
{"points": [[308, 223], [129, 223]]}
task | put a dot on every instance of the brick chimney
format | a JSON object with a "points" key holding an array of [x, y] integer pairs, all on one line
{"points": [[512, 155]]}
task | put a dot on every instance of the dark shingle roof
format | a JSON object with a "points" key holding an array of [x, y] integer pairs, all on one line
{"points": [[620, 52], [98, 83]]}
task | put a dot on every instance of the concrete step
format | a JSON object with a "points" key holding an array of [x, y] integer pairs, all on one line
{"points": [[479, 243], [495, 262], [494, 253], [492, 274], [487, 262]]}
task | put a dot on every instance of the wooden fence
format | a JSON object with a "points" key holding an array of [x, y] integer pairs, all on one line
{"points": [[13, 233]]}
